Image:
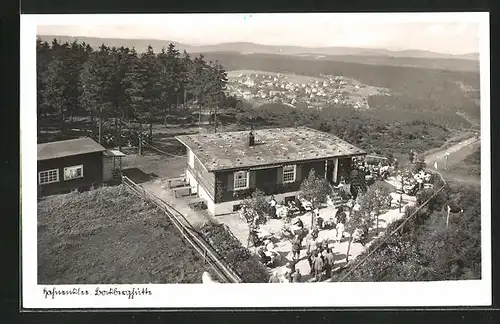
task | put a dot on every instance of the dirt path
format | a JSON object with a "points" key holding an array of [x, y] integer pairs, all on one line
{"points": [[457, 153]]}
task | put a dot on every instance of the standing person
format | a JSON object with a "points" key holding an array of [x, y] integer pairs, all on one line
{"points": [[310, 250], [273, 204], [341, 219], [319, 245], [318, 266], [340, 232], [296, 276], [274, 278], [410, 156], [288, 272], [330, 262], [314, 232], [296, 246]]}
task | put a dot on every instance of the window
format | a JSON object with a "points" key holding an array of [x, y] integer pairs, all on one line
{"points": [[48, 176], [289, 173], [73, 172], [241, 180]]}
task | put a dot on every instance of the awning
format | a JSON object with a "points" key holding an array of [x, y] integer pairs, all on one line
{"points": [[114, 153]]}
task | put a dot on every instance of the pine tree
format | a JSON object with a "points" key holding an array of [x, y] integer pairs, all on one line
{"points": [[185, 69], [173, 71], [55, 90], [42, 62], [219, 85], [76, 58], [97, 85], [149, 86], [133, 84], [165, 82]]}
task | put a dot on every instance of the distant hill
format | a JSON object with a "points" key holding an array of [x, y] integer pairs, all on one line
{"points": [[248, 48]]}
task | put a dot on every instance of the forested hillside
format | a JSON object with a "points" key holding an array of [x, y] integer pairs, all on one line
{"points": [[414, 90], [119, 84]]}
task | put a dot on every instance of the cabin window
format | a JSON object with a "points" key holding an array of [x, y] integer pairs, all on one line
{"points": [[289, 173], [73, 172], [191, 158], [241, 180], [48, 176]]}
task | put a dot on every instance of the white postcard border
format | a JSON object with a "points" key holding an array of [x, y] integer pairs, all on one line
{"points": [[410, 294]]}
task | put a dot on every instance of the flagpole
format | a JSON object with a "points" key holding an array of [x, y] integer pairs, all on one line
{"points": [[447, 216]]}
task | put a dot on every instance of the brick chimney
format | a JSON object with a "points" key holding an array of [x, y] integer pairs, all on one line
{"points": [[251, 139]]}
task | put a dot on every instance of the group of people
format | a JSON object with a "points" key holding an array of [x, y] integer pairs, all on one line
{"points": [[268, 254], [320, 257], [291, 274], [284, 211]]}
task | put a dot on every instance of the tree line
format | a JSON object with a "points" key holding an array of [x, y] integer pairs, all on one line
{"points": [[108, 82]]}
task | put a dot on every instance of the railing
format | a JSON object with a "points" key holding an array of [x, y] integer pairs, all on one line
{"points": [[397, 229], [226, 274]]}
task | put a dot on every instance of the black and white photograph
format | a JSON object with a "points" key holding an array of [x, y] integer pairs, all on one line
{"points": [[337, 153]]}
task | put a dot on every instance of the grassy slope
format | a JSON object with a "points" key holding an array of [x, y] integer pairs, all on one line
{"points": [[471, 165], [109, 236]]}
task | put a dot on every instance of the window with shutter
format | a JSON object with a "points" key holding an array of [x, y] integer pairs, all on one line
{"points": [[241, 180], [289, 173]]}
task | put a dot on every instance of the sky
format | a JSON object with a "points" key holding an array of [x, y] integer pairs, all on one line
{"points": [[452, 35]]}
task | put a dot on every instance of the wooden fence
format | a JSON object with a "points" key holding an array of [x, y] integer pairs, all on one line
{"points": [[190, 234]]}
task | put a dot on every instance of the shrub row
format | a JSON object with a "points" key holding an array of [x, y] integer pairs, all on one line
{"points": [[246, 264]]}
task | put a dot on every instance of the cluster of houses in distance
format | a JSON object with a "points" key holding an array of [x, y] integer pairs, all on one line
{"points": [[295, 90]]}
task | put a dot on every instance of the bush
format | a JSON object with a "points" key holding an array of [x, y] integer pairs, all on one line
{"points": [[247, 265]]}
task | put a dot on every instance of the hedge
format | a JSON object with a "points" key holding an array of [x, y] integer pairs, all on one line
{"points": [[241, 260]]}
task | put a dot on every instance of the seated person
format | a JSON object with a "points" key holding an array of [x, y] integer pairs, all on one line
{"points": [[299, 223], [320, 222], [263, 257]]}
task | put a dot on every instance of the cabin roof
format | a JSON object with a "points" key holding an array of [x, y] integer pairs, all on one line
{"points": [[230, 150], [54, 150]]}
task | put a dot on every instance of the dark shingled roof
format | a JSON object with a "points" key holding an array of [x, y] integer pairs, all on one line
{"points": [[54, 150], [230, 150]]}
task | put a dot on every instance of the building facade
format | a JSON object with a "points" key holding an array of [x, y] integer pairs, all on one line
{"points": [[77, 164], [226, 168]]}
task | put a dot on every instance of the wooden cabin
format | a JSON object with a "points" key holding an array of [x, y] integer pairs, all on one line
{"points": [[225, 168], [77, 164]]}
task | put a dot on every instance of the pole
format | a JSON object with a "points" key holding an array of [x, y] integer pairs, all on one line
{"points": [[401, 194], [215, 115], [100, 124], [199, 115], [140, 144]]}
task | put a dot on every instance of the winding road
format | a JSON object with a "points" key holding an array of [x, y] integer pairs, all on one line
{"points": [[457, 153]]}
